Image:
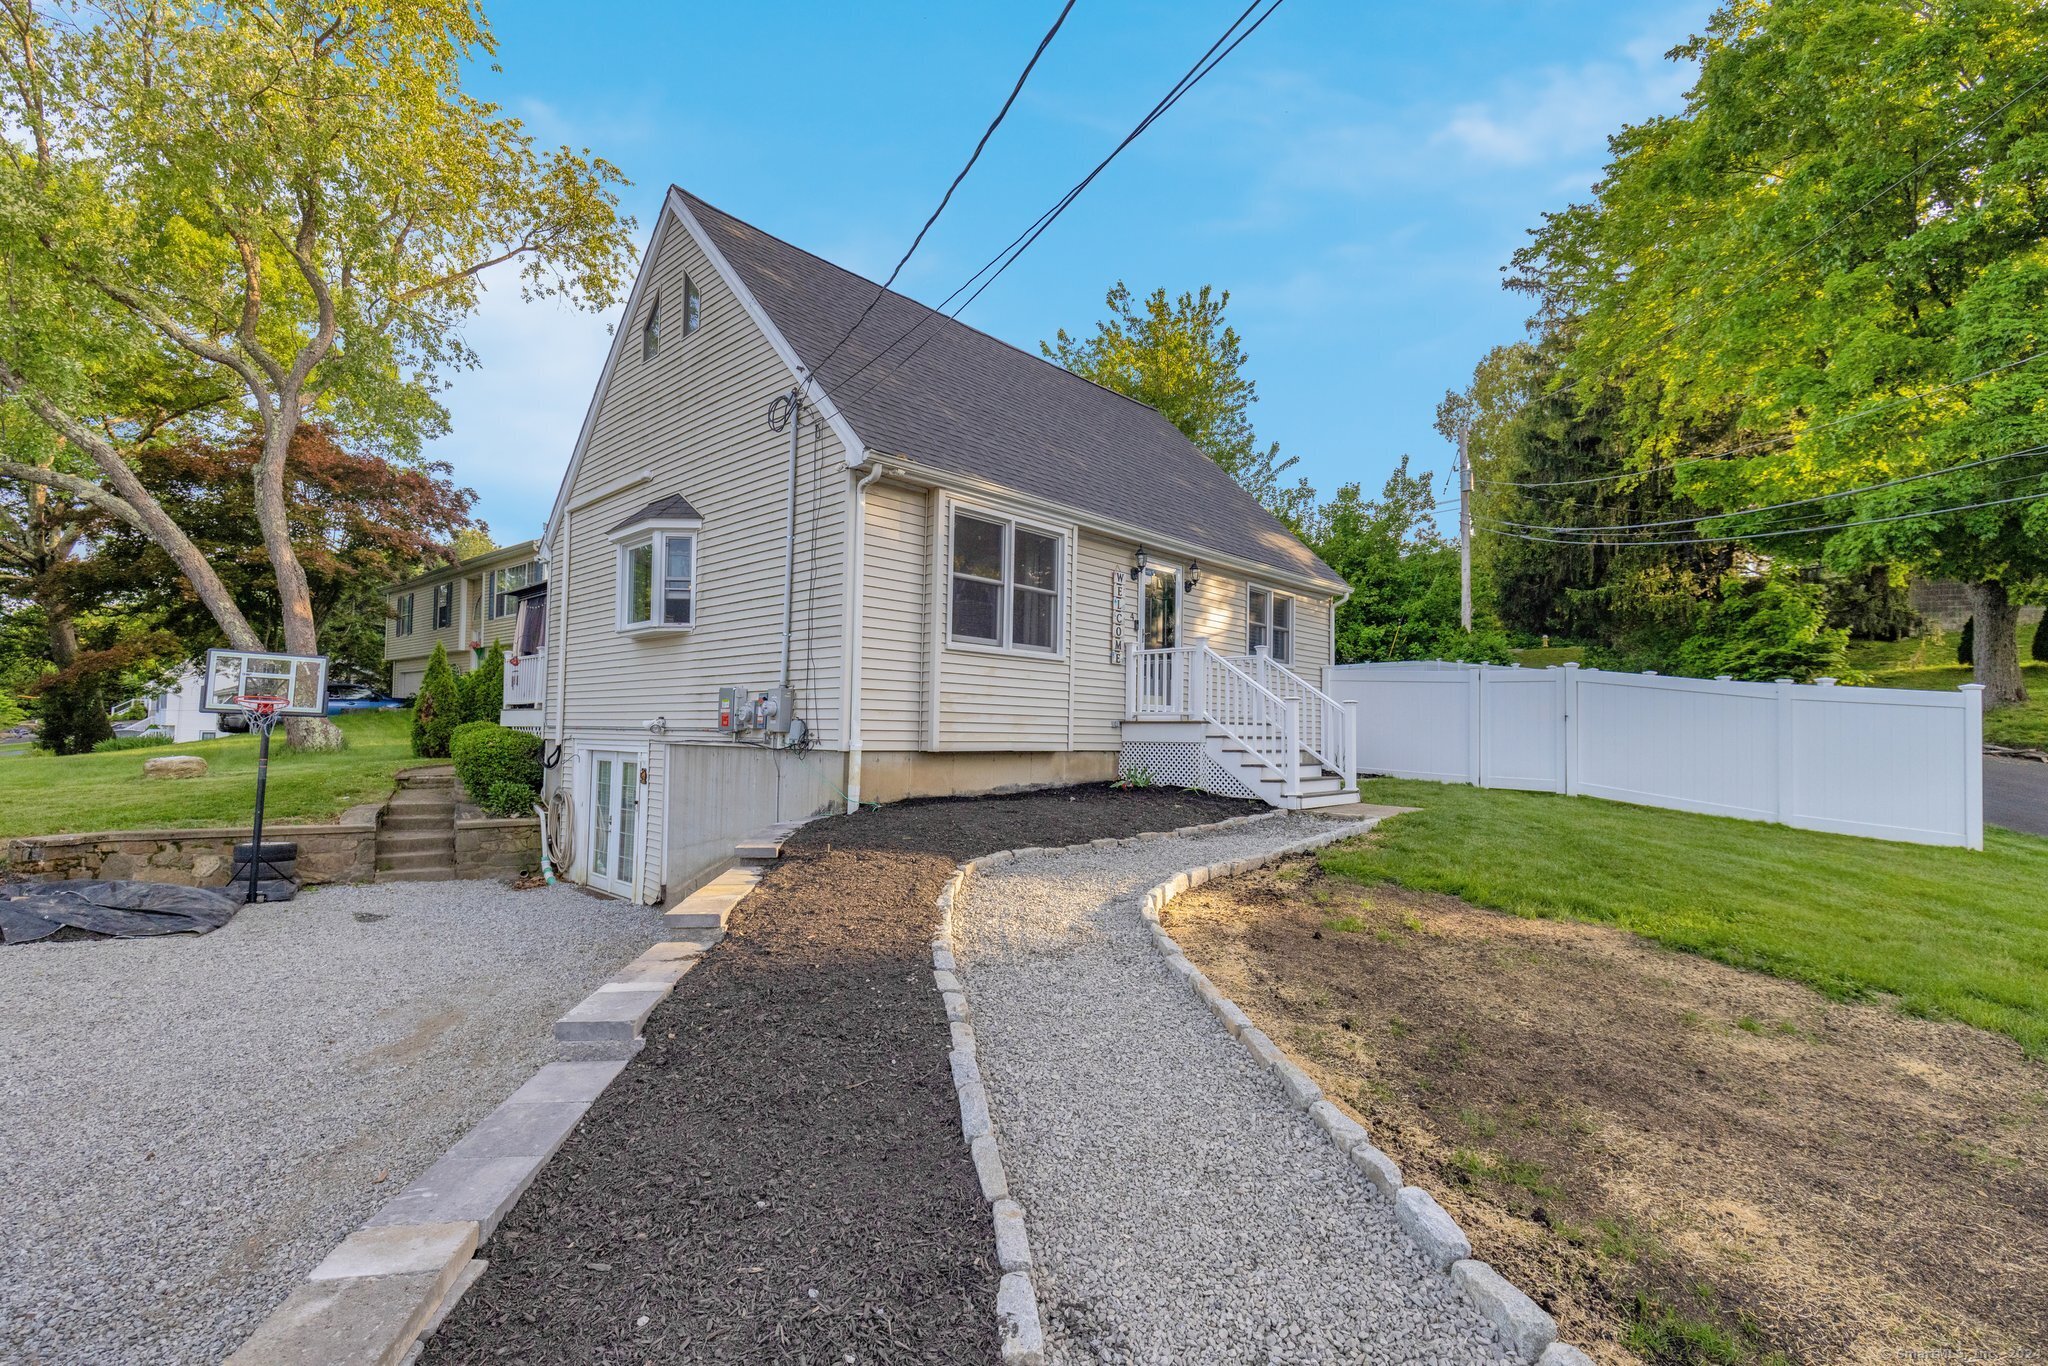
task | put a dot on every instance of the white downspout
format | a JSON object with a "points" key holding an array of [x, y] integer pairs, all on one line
{"points": [[857, 584]]}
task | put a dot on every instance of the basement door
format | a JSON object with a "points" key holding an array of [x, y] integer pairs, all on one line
{"points": [[615, 779]]}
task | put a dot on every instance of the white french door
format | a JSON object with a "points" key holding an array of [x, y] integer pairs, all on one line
{"points": [[614, 820]]}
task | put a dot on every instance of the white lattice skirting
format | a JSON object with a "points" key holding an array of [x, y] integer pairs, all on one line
{"points": [[1180, 763]]}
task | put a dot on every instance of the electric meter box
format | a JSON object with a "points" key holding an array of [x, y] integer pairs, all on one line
{"points": [[774, 709], [734, 710]]}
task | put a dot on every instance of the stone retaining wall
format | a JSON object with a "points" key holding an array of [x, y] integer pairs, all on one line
{"points": [[489, 846], [343, 852]]}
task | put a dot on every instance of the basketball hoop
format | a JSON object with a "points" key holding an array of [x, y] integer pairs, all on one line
{"points": [[262, 711]]}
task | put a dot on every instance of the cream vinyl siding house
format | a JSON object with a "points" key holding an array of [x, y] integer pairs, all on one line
{"points": [[926, 654], [466, 594]]}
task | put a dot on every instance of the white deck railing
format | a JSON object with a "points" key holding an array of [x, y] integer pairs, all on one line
{"points": [[1268, 710], [525, 679]]}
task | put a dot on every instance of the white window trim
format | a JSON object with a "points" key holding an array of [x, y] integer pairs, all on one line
{"points": [[492, 592], [654, 534], [402, 617], [1273, 596], [1010, 522], [442, 590]]}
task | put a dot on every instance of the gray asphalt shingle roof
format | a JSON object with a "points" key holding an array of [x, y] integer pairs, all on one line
{"points": [[958, 400], [674, 507]]}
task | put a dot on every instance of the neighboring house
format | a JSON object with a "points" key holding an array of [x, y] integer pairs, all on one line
{"points": [[174, 712], [973, 571], [464, 606]]}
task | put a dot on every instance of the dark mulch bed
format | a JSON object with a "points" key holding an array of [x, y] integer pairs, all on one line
{"points": [[779, 1174]]}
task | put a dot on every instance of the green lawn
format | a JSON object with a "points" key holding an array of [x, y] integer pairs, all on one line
{"points": [[1539, 657], [1929, 662], [1948, 933], [43, 794]]}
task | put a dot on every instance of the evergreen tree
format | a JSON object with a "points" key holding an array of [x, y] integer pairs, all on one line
{"points": [[483, 688], [1966, 648], [438, 709], [2040, 650]]}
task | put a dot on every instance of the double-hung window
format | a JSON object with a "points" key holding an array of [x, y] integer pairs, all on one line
{"points": [[657, 572], [1005, 584], [1272, 624], [403, 627], [444, 605]]}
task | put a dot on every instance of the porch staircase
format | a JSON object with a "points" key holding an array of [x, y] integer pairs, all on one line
{"points": [[416, 828], [1237, 725]]}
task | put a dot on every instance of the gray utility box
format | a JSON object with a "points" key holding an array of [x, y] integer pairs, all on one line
{"points": [[774, 709], [734, 709]]}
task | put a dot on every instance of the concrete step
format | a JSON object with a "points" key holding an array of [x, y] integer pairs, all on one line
{"points": [[443, 873], [1344, 798], [765, 845], [1310, 786], [412, 819], [441, 861], [415, 842], [441, 800]]}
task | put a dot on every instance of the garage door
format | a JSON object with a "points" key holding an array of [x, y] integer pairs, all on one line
{"points": [[406, 679]]}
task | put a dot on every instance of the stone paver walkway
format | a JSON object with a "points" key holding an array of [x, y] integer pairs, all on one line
{"points": [[1179, 1209]]}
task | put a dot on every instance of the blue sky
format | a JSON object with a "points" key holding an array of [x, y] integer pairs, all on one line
{"points": [[1355, 175]]}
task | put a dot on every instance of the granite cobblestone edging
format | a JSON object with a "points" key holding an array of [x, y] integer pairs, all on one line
{"points": [[1521, 1323], [1017, 1294]]}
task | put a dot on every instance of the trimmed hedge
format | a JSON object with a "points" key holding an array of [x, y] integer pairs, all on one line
{"points": [[499, 767]]}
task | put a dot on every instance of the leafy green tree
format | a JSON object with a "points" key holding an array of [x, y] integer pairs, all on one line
{"points": [[1181, 357], [1403, 576], [1762, 629], [483, 688], [437, 711], [289, 207], [1837, 257]]}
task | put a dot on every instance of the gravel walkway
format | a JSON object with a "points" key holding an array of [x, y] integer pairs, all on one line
{"points": [[1179, 1209], [190, 1123]]}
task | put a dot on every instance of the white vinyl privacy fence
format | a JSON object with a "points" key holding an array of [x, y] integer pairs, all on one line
{"points": [[1880, 762]]}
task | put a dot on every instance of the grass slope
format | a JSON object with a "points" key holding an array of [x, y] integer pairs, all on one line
{"points": [[44, 794], [1947, 932]]}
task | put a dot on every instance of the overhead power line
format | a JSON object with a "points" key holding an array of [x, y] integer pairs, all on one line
{"points": [[1776, 507], [1763, 443], [1785, 531], [947, 198], [1004, 259]]}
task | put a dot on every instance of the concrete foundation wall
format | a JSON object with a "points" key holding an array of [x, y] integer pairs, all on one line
{"points": [[719, 793], [891, 776], [192, 858]]}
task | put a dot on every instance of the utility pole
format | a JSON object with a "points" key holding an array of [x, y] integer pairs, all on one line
{"points": [[1464, 528]]}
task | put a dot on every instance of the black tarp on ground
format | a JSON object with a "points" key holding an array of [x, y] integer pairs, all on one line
{"points": [[119, 910]]}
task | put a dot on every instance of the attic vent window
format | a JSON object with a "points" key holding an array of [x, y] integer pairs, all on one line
{"points": [[650, 335], [690, 306]]}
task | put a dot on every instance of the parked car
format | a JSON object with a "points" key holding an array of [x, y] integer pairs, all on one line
{"points": [[346, 697]]}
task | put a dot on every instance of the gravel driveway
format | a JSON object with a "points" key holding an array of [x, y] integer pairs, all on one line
{"points": [[1179, 1209], [190, 1123]]}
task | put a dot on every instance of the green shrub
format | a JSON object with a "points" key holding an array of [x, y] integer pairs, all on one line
{"points": [[437, 711], [483, 688], [1966, 648], [1765, 629], [499, 767], [121, 742], [2040, 650]]}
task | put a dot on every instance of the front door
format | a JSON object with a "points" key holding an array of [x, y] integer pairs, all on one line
{"points": [[614, 820], [1161, 597]]}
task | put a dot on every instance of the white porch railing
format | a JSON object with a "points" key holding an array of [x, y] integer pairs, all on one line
{"points": [[525, 679], [1271, 712], [1328, 729]]}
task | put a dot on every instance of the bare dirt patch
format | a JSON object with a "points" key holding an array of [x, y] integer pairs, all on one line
{"points": [[1682, 1161], [779, 1175]]}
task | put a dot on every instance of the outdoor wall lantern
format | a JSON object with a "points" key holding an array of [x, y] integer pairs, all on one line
{"points": [[1194, 572], [1139, 566]]}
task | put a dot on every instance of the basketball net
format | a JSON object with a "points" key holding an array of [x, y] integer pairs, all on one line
{"points": [[261, 711]]}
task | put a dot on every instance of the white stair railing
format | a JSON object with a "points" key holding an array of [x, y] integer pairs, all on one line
{"points": [[1329, 728], [1194, 683]]}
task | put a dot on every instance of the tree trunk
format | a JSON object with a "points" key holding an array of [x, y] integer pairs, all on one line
{"points": [[1996, 658], [294, 594]]}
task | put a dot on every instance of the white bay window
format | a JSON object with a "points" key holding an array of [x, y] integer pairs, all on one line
{"points": [[657, 570]]}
